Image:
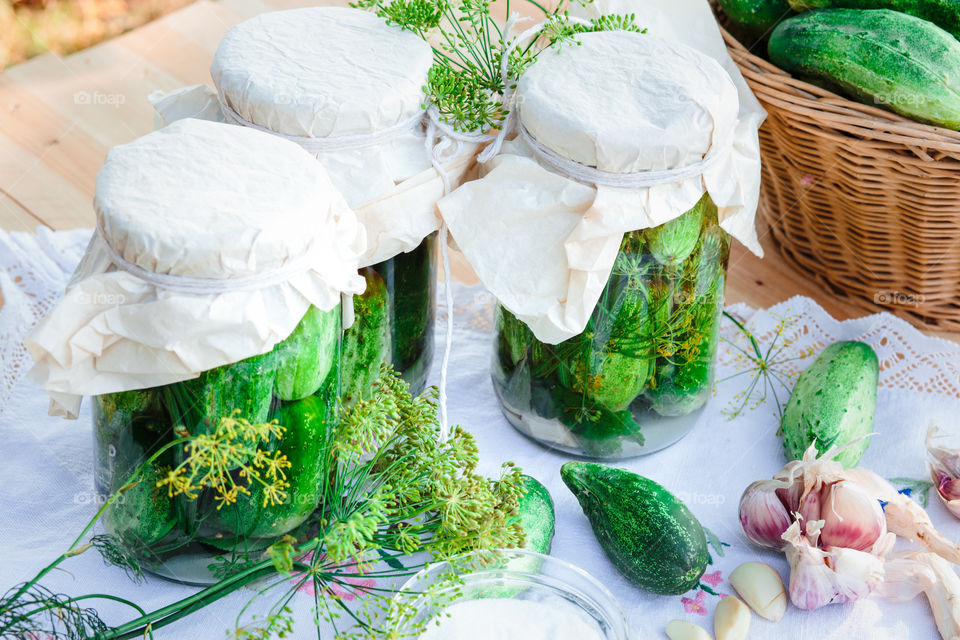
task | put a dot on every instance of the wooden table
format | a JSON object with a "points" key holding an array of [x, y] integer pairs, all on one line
{"points": [[60, 115]]}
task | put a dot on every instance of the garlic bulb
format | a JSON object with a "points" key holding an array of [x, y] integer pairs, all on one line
{"points": [[944, 465]]}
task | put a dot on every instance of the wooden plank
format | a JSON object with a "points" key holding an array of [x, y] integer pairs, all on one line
{"points": [[41, 190], [13, 217]]}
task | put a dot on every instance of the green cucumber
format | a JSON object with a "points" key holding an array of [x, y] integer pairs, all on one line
{"points": [[647, 533], [514, 339], [366, 345], [751, 21], [537, 516], [306, 356], [943, 13], [305, 445], [198, 404], [673, 241], [410, 281], [143, 514], [833, 402], [880, 57]]}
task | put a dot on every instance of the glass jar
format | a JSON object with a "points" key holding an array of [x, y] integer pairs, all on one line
{"points": [[638, 376], [529, 580], [393, 322], [197, 539]]}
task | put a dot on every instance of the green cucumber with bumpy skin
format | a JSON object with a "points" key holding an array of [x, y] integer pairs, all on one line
{"points": [[751, 21], [879, 57], [306, 356], [673, 241], [943, 13], [366, 345], [647, 533], [305, 444], [537, 516], [833, 402]]}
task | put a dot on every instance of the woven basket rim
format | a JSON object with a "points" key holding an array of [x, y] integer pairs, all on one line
{"points": [[775, 85]]}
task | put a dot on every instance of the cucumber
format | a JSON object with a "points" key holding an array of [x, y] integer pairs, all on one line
{"points": [[305, 444], [943, 13], [199, 404], [306, 356], [880, 57], [537, 516], [648, 534], [673, 241], [143, 514], [751, 21], [833, 402], [410, 281], [514, 339], [366, 345]]}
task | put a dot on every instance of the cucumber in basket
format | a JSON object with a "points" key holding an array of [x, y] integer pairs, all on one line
{"points": [[943, 13], [751, 21], [880, 57]]}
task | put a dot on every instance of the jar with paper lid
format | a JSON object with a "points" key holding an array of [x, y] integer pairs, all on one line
{"points": [[602, 228], [353, 98], [205, 322]]}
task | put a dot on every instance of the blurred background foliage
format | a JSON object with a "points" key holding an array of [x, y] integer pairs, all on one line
{"points": [[32, 27]]}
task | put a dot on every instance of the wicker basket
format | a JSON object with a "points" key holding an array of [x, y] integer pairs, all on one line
{"points": [[865, 201]]}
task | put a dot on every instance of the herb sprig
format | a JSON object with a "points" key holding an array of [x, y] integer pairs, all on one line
{"points": [[465, 84], [397, 497]]}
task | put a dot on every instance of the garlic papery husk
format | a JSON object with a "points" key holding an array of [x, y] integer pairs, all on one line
{"points": [[912, 572], [852, 518], [944, 468], [763, 515], [830, 575], [905, 517]]}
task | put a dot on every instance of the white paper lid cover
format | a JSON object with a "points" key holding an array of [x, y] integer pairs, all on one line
{"points": [[242, 201], [322, 71], [627, 102]]}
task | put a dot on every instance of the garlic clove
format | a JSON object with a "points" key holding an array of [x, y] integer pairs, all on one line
{"points": [[762, 515], [760, 586], [852, 518], [731, 620], [946, 457], [948, 489], [810, 505], [684, 630], [905, 517]]}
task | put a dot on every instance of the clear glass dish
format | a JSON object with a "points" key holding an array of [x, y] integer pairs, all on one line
{"points": [[512, 574]]}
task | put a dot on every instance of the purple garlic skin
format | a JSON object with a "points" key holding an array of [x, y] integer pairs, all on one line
{"points": [[763, 516], [944, 466], [852, 518]]}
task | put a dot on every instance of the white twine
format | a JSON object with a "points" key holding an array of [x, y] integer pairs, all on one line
{"points": [[202, 285], [636, 180], [444, 141], [316, 145]]}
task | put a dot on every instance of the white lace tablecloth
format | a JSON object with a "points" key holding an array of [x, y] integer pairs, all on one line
{"points": [[46, 475]]}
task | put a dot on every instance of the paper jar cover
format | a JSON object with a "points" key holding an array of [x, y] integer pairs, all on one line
{"points": [[359, 77], [621, 102], [250, 217]]}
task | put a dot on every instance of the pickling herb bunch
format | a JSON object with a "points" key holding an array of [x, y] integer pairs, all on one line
{"points": [[396, 497], [466, 83]]}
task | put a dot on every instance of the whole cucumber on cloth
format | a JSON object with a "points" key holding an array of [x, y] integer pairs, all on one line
{"points": [[651, 537], [880, 57], [833, 402]]}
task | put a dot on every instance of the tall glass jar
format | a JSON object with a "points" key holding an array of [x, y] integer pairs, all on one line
{"points": [[601, 228], [638, 376], [354, 99], [181, 536], [204, 321]]}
